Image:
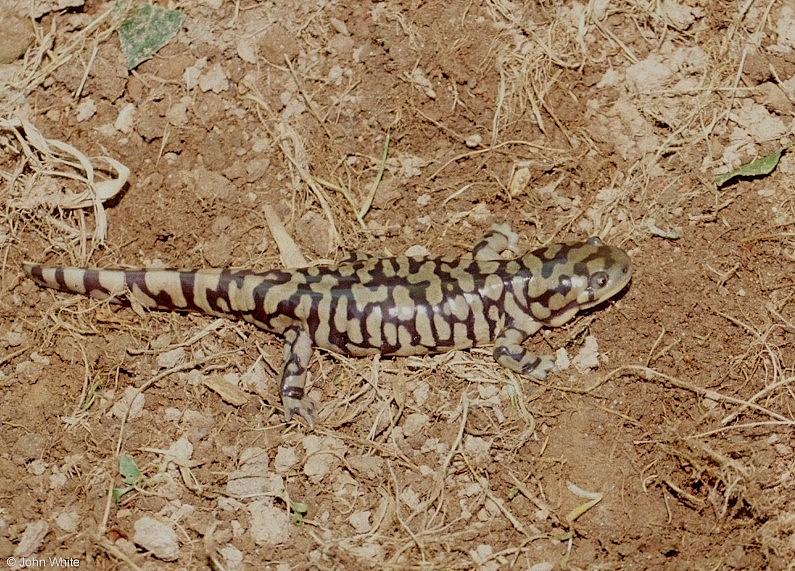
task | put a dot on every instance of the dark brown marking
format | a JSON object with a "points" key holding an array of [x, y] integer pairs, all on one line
{"points": [[59, 278]]}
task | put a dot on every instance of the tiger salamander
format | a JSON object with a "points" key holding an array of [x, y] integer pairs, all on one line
{"points": [[399, 305]]}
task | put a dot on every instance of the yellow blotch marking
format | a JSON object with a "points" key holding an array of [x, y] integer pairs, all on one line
{"points": [[557, 301], [513, 267], [460, 335], [386, 268], [276, 294], [539, 311], [355, 331], [243, 298], [551, 251], [402, 266], [345, 270], [48, 277], [112, 281], [442, 327], [433, 292], [510, 308], [423, 324], [488, 267], [390, 333], [324, 318], [167, 282], [404, 337], [75, 279], [363, 295], [578, 254], [404, 307], [281, 323], [363, 275], [481, 327], [141, 297], [538, 286], [493, 286], [459, 307], [303, 307], [203, 282], [465, 280], [341, 314], [373, 326]]}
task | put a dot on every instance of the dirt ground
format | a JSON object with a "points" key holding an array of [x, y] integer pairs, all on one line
{"points": [[384, 127]]}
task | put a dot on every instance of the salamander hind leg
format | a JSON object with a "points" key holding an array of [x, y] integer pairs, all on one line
{"points": [[509, 353], [297, 354], [499, 238]]}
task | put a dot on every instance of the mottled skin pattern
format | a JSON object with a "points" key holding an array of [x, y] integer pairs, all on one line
{"points": [[392, 306]]}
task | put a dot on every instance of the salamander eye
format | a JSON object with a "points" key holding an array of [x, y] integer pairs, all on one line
{"points": [[599, 280], [595, 241]]}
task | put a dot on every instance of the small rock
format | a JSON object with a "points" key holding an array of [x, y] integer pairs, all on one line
{"points": [[192, 73], [14, 338], [588, 356], [217, 252], [169, 359], [30, 446], [86, 109], [177, 114], [316, 231], [519, 181], [417, 251], [286, 458], [269, 525], [157, 537], [473, 141], [323, 455], [209, 185], [133, 400], [360, 521], [481, 213], [278, 44], [17, 36], [125, 119], [214, 79], [233, 557], [32, 538], [220, 224], [67, 520], [340, 26], [479, 449], [414, 423]]}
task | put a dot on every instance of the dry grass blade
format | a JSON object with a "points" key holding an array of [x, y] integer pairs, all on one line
{"points": [[377, 181], [293, 149], [289, 252], [47, 160]]}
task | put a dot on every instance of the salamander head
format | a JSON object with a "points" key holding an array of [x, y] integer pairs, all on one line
{"points": [[575, 277]]}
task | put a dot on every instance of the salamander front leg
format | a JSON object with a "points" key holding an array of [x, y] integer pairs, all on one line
{"points": [[509, 353], [500, 237], [297, 354]]}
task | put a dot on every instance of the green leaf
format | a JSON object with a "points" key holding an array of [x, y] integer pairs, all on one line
{"points": [[300, 509], [129, 469], [119, 492], [147, 29], [758, 167]]}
